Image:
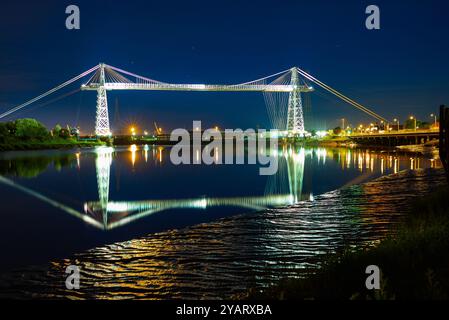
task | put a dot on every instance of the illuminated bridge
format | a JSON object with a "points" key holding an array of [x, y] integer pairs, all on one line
{"points": [[396, 138], [282, 92]]}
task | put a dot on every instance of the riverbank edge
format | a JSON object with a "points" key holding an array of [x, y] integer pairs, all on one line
{"points": [[29, 146], [414, 263]]}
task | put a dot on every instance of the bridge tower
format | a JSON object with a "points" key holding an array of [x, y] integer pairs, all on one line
{"points": [[295, 117], [102, 118], [295, 166], [103, 163]]}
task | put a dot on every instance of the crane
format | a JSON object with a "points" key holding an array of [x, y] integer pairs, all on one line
{"points": [[158, 130]]}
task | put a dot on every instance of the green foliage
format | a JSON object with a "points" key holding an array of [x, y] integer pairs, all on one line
{"points": [[64, 133], [32, 167], [57, 130], [28, 129], [4, 132], [11, 127], [29, 134], [409, 124], [337, 131]]}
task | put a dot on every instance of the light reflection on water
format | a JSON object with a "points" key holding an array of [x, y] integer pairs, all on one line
{"points": [[285, 232], [277, 193], [284, 188]]}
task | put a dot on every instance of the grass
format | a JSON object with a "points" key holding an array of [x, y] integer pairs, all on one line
{"points": [[54, 143], [414, 263]]}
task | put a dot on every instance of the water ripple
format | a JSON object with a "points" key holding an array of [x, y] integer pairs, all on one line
{"points": [[216, 260]]}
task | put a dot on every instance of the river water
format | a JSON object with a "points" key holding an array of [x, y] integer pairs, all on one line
{"points": [[140, 227]]}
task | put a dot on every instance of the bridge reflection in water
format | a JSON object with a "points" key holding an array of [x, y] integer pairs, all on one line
{"points": [[284, 188]]}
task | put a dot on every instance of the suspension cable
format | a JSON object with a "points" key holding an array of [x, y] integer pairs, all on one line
{"points": [[341, 96], [134, 75], [261, 79], [23, 105]]}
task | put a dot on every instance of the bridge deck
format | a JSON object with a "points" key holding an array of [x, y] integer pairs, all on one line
{"points": [[198, 87], [402, 133], [397, 138]]}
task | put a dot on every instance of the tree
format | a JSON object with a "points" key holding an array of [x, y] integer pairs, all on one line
{"points": [[11, 125], [30, 129], [409, 124], [56, 130], [424, 125], [337, 131], [64, 133], [4, 131]]}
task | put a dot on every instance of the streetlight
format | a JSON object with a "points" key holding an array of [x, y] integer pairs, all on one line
{"points": [[435, 116], [413, 118], [396, 121]]}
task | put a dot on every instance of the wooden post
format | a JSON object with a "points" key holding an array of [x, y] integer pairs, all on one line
{"points": [[444, 138]]}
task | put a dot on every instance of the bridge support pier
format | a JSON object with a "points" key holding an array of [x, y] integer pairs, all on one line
{"points": [[102, 118], [295, 116]]}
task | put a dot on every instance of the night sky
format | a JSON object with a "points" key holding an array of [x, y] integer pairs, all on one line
{"points": [[397, 71]]}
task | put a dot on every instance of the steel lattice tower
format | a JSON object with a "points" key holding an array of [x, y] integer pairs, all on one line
{"points": [[103, 167], [295, 117], [102, 118]]}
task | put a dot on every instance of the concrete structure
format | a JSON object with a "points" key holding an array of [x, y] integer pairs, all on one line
{"points": [[395, 139]]}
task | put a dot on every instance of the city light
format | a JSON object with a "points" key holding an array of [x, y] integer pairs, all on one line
{"points": [[133, 150], [397, 122], [321, 134], [435, 125], [414, 118]]}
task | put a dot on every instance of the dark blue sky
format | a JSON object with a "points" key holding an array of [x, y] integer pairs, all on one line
{"points": [[399, 70]]}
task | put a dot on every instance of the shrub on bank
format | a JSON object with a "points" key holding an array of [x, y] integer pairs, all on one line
{"points": [[30, 134]]}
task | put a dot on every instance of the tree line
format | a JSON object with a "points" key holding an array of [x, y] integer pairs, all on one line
{"points": [[31, 129]]}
